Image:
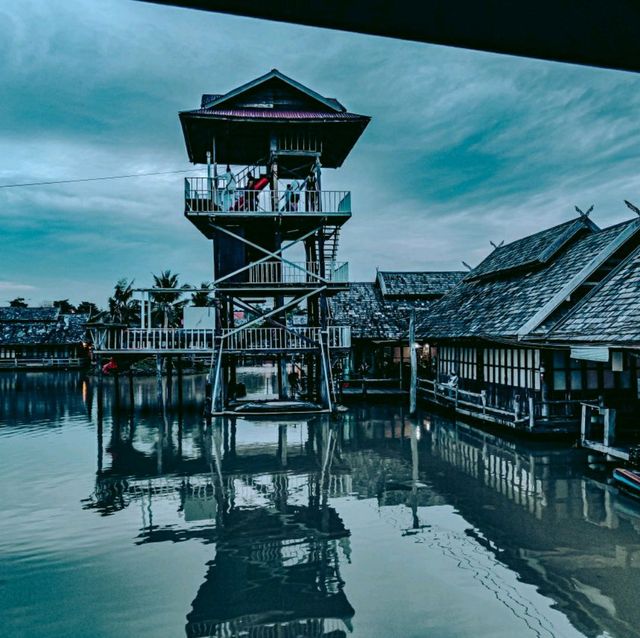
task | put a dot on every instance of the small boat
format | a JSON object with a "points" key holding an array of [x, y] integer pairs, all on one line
{"points": [[274, 409], [628, 480]]}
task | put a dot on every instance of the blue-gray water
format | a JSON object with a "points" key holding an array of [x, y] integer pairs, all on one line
{"points": [[124, 523]]}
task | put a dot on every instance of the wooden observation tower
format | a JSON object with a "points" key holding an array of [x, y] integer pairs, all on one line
{"points": [[273, 226], [274, 230]]}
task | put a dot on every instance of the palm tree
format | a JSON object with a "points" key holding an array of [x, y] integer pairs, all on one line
{"points": [[202, 298], [168, 301], [122, 307], [88, 308]]}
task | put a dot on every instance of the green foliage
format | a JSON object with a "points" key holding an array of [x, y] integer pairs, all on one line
{"points": [[122, 307], [18, 302], [202, 299], [64, 306], [88, 307], [168, 305]]}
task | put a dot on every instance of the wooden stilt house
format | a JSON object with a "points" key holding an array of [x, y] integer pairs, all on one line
{"points": [[42, 338], [598, 352], [378, 315], [494, 362]]}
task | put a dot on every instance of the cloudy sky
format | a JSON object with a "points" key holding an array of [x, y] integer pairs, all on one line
{"points": [[464, 147]]}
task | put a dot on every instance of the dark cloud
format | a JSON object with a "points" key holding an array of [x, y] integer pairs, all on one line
{"points": [[464, 146]]}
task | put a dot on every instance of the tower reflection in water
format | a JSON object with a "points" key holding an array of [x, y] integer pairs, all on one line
{"points": [[278, 542], [265, 495]]}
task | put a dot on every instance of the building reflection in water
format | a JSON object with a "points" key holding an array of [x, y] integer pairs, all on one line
{"points": [[264, 495]]}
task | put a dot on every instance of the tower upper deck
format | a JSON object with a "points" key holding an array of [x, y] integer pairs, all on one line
{"points": [[272, 114]]}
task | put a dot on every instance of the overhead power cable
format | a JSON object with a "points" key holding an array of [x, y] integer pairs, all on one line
{"points": [[94, 179]]}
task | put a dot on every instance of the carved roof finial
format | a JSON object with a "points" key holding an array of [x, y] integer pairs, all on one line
{"points": [[582, 213], [632, 207]]}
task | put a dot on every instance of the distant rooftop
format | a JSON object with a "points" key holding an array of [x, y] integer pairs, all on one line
{"points": [[418, 283], [380, 310], [40, 326], [28, 314]]}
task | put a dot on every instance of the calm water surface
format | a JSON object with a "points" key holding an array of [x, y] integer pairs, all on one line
{"points": [[124, 522]]}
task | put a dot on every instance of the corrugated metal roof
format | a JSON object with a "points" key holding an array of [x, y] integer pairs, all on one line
{"points": [[277, 114]]}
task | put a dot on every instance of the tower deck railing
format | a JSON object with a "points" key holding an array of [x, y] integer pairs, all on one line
{"points": [[202, 197], [186, 340], [278, 272]]}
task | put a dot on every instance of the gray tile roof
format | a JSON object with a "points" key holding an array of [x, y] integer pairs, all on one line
{"points": [[499, 305], [40, 326], [370, 315], [28, 314], [532, 250], [610, 313], [417, 284]]}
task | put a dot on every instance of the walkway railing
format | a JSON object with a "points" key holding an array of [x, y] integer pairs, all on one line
{"points": [[153, 339], [202, 197], [277, 272], [203, 340], [299, 338], [465, 401], [527, 413]]}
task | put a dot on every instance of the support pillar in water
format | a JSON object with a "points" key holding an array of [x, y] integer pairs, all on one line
{"points": [[413, 391]]}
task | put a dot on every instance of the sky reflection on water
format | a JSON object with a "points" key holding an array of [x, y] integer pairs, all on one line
{"points": [[121, 522]]}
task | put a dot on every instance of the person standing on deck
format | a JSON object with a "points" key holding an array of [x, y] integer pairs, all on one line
{"points": [[228, 190], [296, 187], [248, 199], [288, 195], [311, 194]]}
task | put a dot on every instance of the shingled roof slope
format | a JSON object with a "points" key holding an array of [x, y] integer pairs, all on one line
{"points": [[500, 306], [370, 315], [532, 250], [418, 284], [28, 314], [58, 330], [610, 313]]}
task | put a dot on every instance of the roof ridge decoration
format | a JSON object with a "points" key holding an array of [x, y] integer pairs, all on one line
{"points": [[330, 103], [630, 229]]}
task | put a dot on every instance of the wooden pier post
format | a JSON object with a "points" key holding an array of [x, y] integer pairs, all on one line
{"points": [[413, 391], [131, 393], [207, 395], [159, 393], [609, 427], [584, 421], [180, 381], [116, 389], [282, 444], [169, 380], [532, 414], [100, 419]]}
